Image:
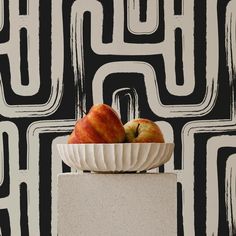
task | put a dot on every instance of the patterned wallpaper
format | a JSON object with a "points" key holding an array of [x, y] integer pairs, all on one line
{"points": [[171, 61]]}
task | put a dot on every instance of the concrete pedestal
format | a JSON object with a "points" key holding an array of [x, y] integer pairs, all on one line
{"points": [[117, 204]]}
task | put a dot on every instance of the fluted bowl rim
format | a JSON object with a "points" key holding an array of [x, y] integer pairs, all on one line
{"points": [[135, 143], [121, 162]]}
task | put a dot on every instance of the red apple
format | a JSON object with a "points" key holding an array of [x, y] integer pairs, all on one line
{"points": [[100, 125], [72, 138], [143, 131]]}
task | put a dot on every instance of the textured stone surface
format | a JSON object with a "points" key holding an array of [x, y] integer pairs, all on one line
{"points": [[117, 204]]}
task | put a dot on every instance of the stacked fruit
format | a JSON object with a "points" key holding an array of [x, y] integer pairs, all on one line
{"points": [[102, 125]]}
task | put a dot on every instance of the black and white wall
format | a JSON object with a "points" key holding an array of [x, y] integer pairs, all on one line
{"points": [[171, 61]]}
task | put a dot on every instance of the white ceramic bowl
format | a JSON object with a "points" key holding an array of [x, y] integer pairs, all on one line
{"points": [[116, 157]]}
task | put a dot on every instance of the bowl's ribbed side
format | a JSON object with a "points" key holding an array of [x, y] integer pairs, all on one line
{"points": [[115, 157]]}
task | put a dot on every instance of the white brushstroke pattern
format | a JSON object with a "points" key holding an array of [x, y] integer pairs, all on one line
{"points": [[230, 193], [31, 23], [151, 24]]}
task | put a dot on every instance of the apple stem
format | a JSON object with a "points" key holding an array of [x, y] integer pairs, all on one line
{"points": [[136, 132]]}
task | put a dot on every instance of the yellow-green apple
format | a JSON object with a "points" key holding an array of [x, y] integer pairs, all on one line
{"points": [[143, 131], [100, 125]]}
